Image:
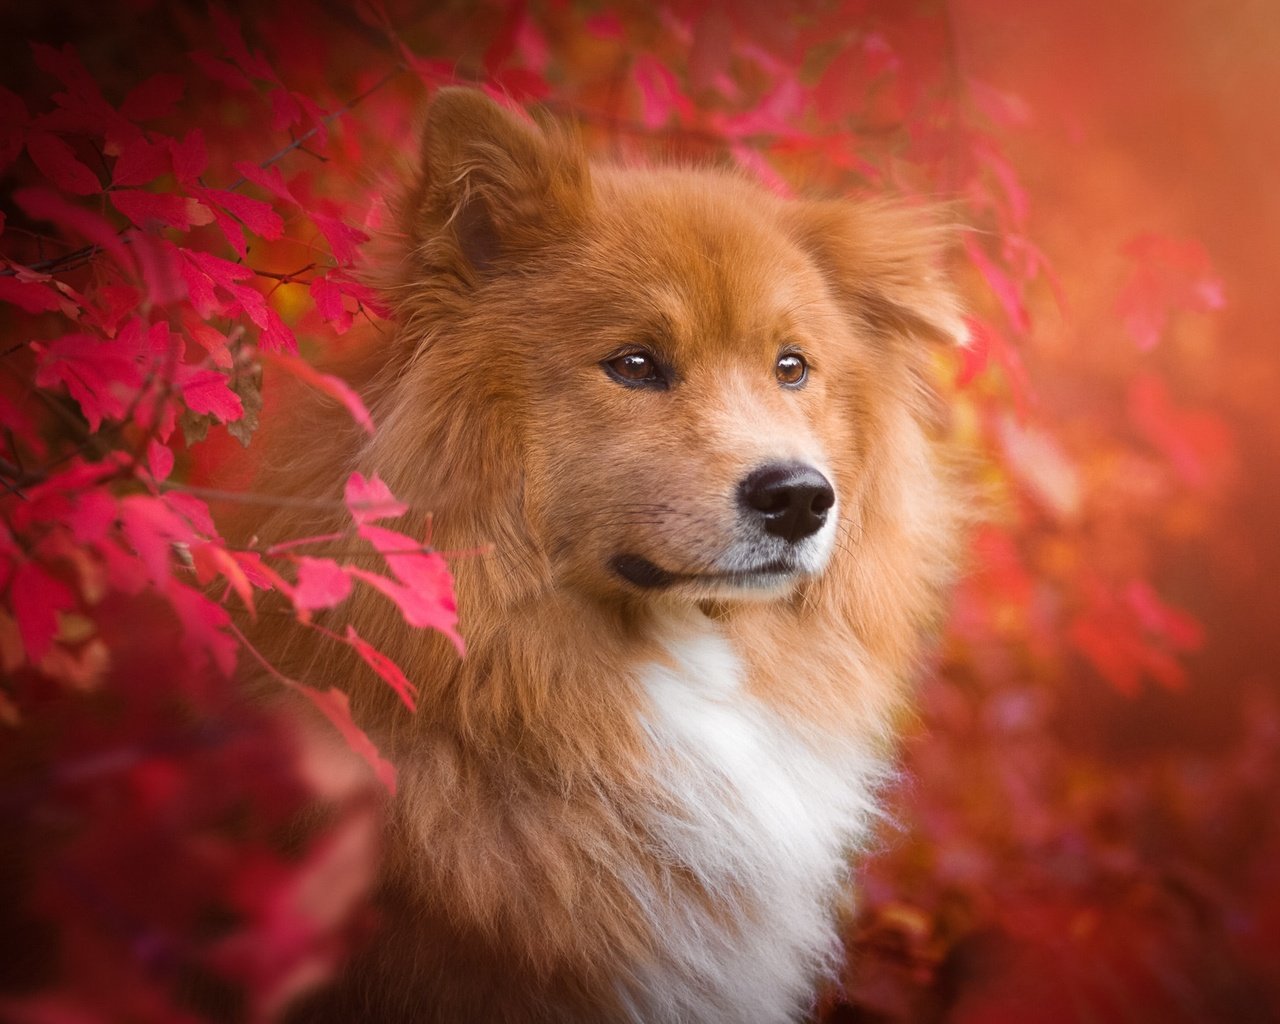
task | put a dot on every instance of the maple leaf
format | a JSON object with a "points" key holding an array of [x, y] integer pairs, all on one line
{"points": [[153, 99], [371, 499], [336, 707], [59, 164], [384, 667], [334, 387], [97, 374], [322, 583], [37, 597], [206, 392], [140, 163], [29, 296]]}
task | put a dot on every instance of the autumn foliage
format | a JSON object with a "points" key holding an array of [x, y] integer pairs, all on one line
{"points": [[186, 200]]}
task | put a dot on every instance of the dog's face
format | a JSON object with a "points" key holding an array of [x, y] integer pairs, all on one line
{"points": [[692, 366], [686, 428]]}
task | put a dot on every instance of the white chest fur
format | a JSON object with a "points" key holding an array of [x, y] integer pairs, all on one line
{"points": [[763, 819]]}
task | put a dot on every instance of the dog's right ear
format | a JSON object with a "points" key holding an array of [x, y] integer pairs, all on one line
{"points": [[492, 189]]}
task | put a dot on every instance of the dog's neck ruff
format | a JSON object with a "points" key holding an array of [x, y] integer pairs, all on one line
{"points": [[761, 818]]}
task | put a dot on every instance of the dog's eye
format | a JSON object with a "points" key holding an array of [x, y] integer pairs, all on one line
{"points": [[635, 368], [791, 369]]}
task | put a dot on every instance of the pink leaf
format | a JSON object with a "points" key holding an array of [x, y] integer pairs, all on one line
{"points": [[159, 459], [36, 597], [420, 610], [147, 209], [45, 204], [385, 667], [151, 529], [256, 215], [330, 385], [92, 516], [204, 626], [101, 377], [1003, 287], [269, 178], [211, 560], [59, 164], [328, 300], [191, 509], [369, 500], [206, 392], [335, 706], [342, 238], [322, 583], [276, 337]]}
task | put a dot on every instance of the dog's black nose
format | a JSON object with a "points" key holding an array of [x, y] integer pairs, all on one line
{"points": [[791, 499]]}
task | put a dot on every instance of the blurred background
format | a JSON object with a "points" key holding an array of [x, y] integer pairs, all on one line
{"points": [[1085, 826]]}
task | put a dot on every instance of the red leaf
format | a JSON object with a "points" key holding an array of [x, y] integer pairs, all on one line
{"points": [[45, 204], [221, 71], [1196, 443], [151, 528], [1001, 285], [256, 215], [140, 162], [328, 300], [211, 560], [330, 385], [14, 121], [660, 93], [153, 99], [420, 610], [285, 111], [193, 510], [150, 208], [36, 597], [322, 583], [189, 156], [335, 706], [251, 63], [385, 667], [57, 162], [424, 593], [29, 296], [369, 500], [231, 231], [1171, 274], [159, 459], [269, 178], [276, 336], [342, 238], [92, 516], [99, 375], [204, 626], [206, 392], [66, 66]]}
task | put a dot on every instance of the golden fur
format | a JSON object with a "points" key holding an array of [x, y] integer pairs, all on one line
{"points": [[566, 845]]}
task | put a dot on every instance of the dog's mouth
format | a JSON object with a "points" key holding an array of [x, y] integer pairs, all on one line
{"points": [[640, 572]]}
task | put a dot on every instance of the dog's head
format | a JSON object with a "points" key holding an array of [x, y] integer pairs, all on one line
{"points": [[677, 382]]}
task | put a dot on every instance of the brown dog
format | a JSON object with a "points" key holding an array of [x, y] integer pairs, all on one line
{"points": [[693, 421]]}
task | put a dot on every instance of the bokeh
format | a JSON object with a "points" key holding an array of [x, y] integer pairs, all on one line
{"points": [[1084, 827]]}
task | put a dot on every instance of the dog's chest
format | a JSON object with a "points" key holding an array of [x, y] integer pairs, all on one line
{"points": [[761, 819]]}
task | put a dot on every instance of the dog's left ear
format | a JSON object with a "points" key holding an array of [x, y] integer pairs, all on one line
{"points": [[883, 261], [493, 189]]}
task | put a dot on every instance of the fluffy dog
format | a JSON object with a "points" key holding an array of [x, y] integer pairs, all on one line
{"points": [[692, 420]]}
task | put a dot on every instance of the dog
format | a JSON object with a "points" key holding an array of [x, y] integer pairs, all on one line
{"points": [[690, 422]]}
